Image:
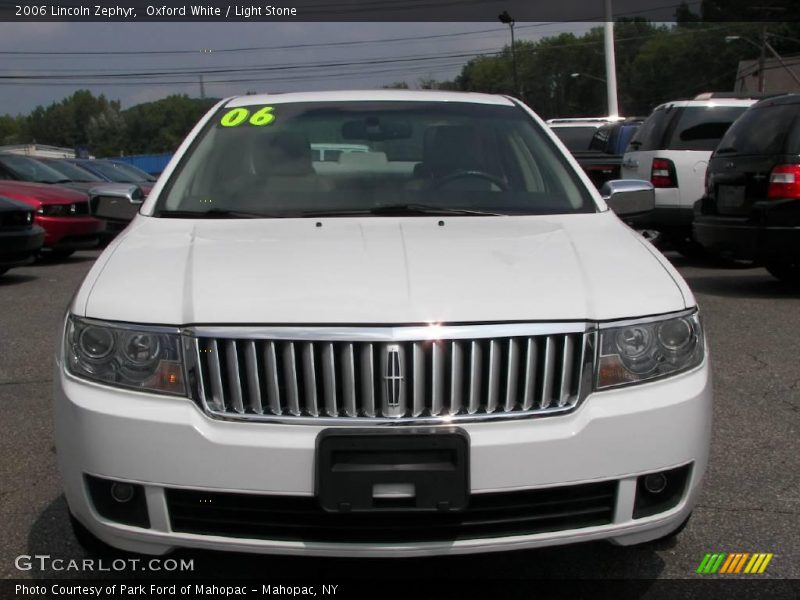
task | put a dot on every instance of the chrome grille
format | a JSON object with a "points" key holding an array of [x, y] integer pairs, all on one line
{"points": [[253, 377]]}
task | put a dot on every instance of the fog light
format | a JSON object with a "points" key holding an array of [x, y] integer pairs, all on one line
{"points": [[122, 492], [655, 483], [118, 501], [659, 492]]}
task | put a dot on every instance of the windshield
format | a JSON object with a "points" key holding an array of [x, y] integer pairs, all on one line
{"points": [[702, 127], [134, 171], [267, 161], [29, 169], [761, 130], [71, 171], [111, 172]]}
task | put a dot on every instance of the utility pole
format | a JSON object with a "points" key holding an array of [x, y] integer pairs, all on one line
{"points": [[507, 19], [611, 64]]}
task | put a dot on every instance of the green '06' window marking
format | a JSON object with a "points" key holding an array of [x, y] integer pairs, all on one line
{"points": [[237, 116]]}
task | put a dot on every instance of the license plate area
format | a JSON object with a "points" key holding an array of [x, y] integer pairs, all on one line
{"points": [[730, 199], [418, 470]]}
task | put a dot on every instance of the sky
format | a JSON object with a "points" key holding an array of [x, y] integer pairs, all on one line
{"points": [[438, 51]]}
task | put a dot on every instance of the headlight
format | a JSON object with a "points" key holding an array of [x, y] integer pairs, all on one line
{"points": [[645, 350], [132, 358], [57, 210]]}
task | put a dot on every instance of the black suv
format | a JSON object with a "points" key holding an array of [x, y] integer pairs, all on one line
{"points": [[751, 208]]}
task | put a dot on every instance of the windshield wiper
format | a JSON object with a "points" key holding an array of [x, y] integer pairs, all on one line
{"points": [[214, 213], [726, 150], [404, 209]]}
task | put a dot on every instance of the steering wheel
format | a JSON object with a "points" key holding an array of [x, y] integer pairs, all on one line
{"points": [[441, 181]]}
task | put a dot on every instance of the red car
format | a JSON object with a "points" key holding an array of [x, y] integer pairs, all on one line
{"points": [[61, 212]]}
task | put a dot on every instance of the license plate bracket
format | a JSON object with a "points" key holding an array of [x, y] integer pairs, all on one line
{"points": [[378, 471]]}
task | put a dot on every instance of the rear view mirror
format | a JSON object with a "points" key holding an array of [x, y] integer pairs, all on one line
{"points": [[629, 197], [376, 129]]}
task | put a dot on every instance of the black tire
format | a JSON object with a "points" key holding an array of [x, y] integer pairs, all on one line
{"points": [[93, 545], [61, 254], [3, 271], [788, 271], [688, 248]]}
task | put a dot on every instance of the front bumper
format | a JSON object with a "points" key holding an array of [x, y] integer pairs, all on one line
{"points": [[770, 232], [70, 233], [166, 443], [19, 247]]}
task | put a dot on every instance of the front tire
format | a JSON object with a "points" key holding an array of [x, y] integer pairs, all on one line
{"points": [[788, 271]]}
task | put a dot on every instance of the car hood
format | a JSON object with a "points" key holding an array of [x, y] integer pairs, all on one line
{"points": [[41, 193], [379, 271]]}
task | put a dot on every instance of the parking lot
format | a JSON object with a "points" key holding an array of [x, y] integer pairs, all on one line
{"points": [[750, 503]]}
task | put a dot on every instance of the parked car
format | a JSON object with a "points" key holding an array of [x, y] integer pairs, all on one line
{"points": [[447, 345], [20, 238], [115, 172], [73, 172], [61, 212], [16, 167], [751, 210], [671, 149], [598, 149]]}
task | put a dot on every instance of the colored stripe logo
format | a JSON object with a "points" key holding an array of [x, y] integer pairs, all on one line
{"points": [[734, 563]]}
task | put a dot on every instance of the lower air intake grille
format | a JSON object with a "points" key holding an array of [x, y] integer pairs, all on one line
{"points": [[299, 518]]}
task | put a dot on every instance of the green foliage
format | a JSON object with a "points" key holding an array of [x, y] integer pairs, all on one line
{"points": [[83, 120], [161, 126], [655, 64]]}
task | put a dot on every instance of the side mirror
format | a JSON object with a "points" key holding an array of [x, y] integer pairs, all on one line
{"points": [[629, 197], [115, 201]]}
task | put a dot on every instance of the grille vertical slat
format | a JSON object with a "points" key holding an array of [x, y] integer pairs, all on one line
{"points": [[418, 393], [310, 379], [446, 377], [529, 391], [290, 379], [234, 382], [548, 369], [566, 370], [367, 380], [348, 380], [493, 384], [456, 378], [437, 378], [475, 367], [512, 367], [329, 379], [271, 375], [253, 382], [215, 371]]}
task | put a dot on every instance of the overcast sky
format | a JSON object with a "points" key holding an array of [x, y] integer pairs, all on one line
{"points": [[104, 38]]}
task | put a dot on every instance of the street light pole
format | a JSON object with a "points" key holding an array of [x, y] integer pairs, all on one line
{"points": [[611, 64], [768, 46], [507, 19], [762, 57]]}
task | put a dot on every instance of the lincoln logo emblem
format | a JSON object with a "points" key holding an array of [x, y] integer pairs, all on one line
{"points": [[393, 384]]}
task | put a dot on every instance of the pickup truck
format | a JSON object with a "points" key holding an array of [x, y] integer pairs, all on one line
{"points": [[597, 144]]}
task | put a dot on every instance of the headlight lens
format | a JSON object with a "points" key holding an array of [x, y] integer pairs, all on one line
{"points": [[139, 359], [643, 351]]}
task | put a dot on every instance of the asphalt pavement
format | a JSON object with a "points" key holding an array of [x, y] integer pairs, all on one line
{"points": [[750, 502]]}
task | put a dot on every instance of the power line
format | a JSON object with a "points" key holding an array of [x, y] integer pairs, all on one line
{"points": [[91, 76]]}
